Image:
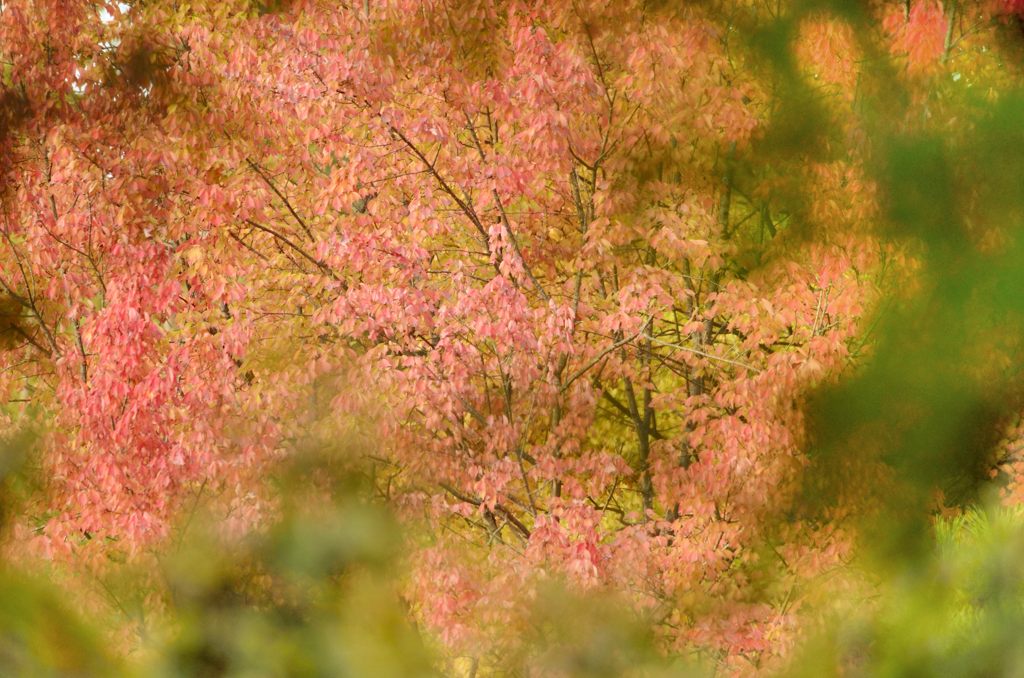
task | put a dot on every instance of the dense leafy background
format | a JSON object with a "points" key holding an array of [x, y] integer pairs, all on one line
{"points": [[504, 338]]}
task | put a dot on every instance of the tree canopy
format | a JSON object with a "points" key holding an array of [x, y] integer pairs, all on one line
{"points": [[695, 314]]}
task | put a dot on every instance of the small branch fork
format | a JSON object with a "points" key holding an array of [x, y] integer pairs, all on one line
{"points": [[509, 516]]}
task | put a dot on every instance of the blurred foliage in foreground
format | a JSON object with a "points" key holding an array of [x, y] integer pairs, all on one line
{"points": [[314, 594], [959, 612]]}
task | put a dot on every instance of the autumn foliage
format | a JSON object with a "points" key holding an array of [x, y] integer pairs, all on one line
{"points": [[574, 274]]}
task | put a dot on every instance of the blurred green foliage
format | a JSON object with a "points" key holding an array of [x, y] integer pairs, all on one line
{"points": [[314, 594], [590, 635], [958, 612], [40, 637]]}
